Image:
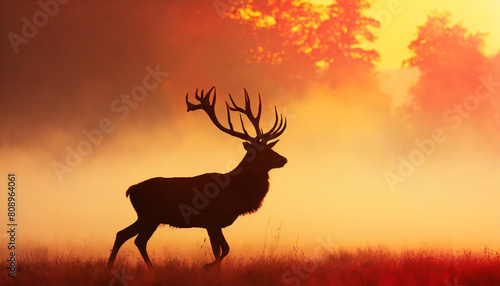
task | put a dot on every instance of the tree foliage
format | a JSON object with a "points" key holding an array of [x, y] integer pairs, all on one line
{"points": [[308, 37], [450, 60]]}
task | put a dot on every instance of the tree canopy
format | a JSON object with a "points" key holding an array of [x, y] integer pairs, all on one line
{"points": [[311, 38], [450, 60]]}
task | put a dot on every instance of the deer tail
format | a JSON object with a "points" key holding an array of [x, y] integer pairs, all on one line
{"points": [[129, 191]]}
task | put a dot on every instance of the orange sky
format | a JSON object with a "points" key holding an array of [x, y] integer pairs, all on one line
{"points": [[332, 190]]}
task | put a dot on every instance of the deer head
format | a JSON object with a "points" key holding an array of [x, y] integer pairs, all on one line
{"points": [[258, 147]]}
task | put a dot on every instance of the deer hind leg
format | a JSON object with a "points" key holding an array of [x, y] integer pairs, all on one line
{"points": [[121, 237], [218, 244], [141, 241]]}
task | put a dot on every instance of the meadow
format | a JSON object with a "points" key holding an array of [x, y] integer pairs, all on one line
{"points": [[363, 266]]}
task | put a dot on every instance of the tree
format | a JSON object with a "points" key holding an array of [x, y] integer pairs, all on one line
{"points": [[305, 40], [450, 60]]}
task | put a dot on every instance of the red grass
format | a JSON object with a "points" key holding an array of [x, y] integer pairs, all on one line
{"points": [[366, 266]]}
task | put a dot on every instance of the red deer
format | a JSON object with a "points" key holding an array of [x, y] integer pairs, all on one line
{"points": [[212, 201]]}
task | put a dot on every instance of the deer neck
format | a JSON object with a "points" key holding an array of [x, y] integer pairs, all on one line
{"points": [[251, 186]]}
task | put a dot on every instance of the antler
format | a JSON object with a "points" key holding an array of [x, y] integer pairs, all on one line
{"points": [[260, 137], [275, 132]]}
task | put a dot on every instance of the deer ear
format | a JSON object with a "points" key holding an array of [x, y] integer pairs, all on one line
{"points": [[271, 145], [247, 145]]}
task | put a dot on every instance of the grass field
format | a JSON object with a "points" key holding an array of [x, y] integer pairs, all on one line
{"points": [[367, 266]]}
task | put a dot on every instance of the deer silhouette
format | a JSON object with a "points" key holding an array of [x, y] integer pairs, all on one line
{"points": [[212, 201]]}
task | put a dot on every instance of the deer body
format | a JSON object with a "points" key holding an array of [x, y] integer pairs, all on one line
{"points": [[212, 201], [163, 199]]}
